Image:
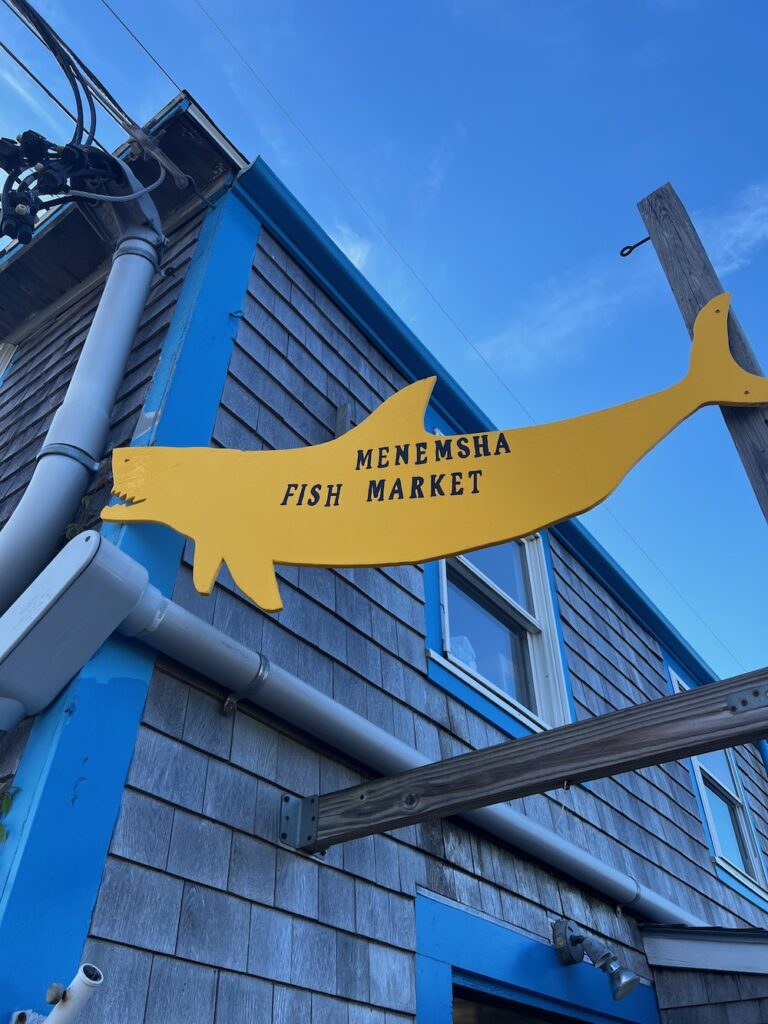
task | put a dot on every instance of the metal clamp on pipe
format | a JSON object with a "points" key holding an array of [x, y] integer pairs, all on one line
{"points": [[71, 453], [251, 690]]}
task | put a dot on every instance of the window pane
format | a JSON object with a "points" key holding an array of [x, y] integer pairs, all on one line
{"points": [[474, 1008], [504, 565], [716, 764], [728, 830], [487, 644]]}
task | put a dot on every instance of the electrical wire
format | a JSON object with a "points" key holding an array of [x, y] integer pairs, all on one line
{"points": [[138, 41], [38, 82], [33, 21], [120, 199]]}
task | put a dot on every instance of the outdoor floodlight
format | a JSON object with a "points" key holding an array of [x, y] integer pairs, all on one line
{"points": [[571, 945]]}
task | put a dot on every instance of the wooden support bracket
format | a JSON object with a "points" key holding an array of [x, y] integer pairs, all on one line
{"points": [[707, 718]]}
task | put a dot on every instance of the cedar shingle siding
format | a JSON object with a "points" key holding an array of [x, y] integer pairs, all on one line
{"points": [[201, 912]]}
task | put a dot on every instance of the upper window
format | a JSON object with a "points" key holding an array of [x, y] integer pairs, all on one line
{"points": [[725, 810], [498, 629]]}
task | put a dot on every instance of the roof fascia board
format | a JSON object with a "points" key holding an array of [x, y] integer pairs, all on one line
{"points": [[288, 220], [742, 951]]}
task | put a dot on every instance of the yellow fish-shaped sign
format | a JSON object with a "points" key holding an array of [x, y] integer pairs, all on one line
{"points": [[390, 493]]}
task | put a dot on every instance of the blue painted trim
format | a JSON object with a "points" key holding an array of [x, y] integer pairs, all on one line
{"points": [[467, 694], [74, 768], [308, 244], [734, 882], [71, 777], [459, 947]]}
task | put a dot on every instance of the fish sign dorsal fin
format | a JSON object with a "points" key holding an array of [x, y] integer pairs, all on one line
{"points": [[400, 416]]}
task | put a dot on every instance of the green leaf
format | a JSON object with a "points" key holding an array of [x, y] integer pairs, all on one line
{"points": [[3, 834], [5, 804]]}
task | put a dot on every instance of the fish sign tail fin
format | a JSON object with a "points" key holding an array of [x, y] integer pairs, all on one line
{"points": [[258, 581], [717, 377]]}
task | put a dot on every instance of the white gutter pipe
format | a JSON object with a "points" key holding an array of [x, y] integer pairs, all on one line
{"points": [[173, 631], [75, 440], [92, 588]]}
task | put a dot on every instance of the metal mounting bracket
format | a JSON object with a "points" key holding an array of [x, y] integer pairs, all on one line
{"points": [[747, 700], [298, 821], [248, 692]]}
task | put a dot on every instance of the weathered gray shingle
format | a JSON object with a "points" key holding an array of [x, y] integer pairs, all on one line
{"points": [[313, 956], [168, 769], [180, 991], [269, 949], [199, 850], [213, 928], [252, 869], [143, 830], [138, 907], [230, 796], [243, 1000]]}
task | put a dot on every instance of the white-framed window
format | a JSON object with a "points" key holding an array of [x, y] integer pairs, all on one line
{"points": [[725, 811], [498, 629]]}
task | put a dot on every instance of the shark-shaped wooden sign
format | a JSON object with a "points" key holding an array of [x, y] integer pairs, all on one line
{"points": [[390, 493]]}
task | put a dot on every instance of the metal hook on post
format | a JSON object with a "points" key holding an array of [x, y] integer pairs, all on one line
{"points": [[629, 249]]}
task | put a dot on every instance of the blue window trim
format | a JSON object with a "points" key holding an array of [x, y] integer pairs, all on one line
{"points": [[452, 681], [73, 771], [730, 878], [458, 947]]}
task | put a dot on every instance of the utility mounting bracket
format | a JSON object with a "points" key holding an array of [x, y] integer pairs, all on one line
{"points": [[298, 822]]}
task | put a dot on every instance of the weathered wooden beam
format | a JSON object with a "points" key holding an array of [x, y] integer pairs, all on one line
{"points": [[693, 281], [708, 718]]}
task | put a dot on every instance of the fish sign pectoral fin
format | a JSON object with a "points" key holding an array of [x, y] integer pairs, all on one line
{"points": [[205, 567], [257, 579]]}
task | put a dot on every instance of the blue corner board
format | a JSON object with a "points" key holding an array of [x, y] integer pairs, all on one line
{"points": [[457, 947], [74, 768]]}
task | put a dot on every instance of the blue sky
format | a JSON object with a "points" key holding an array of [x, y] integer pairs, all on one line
{"points": [[501, 149]]}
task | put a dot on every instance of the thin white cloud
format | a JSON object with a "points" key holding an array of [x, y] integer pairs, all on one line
{"points": [[733, 236], [567, 308], [30, 96], [558, 315], [355, 247]]}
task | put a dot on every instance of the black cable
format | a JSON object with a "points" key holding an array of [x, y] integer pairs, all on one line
{"points": [[38, 82], [41, 30]]}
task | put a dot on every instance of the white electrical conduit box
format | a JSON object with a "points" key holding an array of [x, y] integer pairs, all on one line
{"points": [[61, 620]]}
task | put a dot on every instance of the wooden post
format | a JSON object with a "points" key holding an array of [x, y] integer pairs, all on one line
{"points": [[693, 281], [708, 718]]}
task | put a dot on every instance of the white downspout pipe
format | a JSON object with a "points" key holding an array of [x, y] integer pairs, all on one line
{"points": [[75, 440], [71, 1001], [173, 631], [76, 995]]}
